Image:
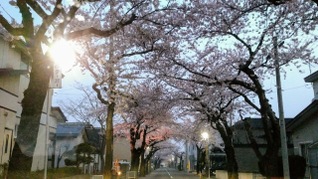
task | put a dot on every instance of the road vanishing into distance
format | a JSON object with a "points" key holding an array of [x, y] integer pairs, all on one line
{"points": [[169, 173]]}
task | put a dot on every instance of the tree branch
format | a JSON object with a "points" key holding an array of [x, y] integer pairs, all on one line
{"points": [[13, 31], [37, 8], [27, 21], [102, 33], [99, 95]]}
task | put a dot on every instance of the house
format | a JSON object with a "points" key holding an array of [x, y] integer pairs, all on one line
{"points": [[249, 163], [56, 116], [304, 131], [67, 139], [14, 79], [96, 138]]}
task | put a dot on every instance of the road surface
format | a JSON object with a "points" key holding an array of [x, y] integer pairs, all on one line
{"points": [[169, 173]]}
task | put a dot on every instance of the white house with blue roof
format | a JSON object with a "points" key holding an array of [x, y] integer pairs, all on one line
{"points": [[68, 136]]}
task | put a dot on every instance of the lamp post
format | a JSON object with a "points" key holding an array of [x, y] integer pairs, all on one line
{"points": [[205, 136]]}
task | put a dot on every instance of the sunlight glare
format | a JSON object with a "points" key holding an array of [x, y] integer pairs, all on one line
{"points": [[63, 54]]}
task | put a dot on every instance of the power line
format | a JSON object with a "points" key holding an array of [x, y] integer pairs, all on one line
{"points": [[6, 12]]}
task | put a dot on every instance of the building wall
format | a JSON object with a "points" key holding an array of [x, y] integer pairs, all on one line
{"points": [[63, 145], [303, 136], [39, 157], [306, 133], [9, 99], [11, 95]]}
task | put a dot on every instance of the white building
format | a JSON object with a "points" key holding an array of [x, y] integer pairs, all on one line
{"points": [[14, 79]]}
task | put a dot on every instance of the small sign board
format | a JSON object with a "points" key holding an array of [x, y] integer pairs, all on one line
{"points": [[56, 81]]}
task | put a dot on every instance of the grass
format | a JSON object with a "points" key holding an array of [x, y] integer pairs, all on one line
{"points": [[51, 173]]}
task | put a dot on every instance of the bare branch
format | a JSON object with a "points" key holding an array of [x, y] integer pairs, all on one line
{"points": [[101, 33], [13, 31]]}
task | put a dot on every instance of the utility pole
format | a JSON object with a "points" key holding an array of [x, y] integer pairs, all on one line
{"points": [[283, 139]]}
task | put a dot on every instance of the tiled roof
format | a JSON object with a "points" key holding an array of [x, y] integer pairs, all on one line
{"points": [[255, 123]]}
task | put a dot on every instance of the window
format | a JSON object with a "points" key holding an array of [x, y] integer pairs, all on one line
{"points": [[7, 144], [304, 149]]}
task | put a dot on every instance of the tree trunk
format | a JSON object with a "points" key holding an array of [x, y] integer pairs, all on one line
{"points": [[147, 167], [109, 142], [198, 168], [32, 105], [102, 152], [142, 164], [135, 156], [268, 164], [226, 135]]}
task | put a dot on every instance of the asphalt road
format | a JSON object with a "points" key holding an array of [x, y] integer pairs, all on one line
{"points": [[169, 173]]}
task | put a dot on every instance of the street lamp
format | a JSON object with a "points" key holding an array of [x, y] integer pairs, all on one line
{"points": [[205, 136]]}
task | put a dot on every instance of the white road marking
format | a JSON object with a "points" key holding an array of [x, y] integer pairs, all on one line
{"points": [[168, 173]]}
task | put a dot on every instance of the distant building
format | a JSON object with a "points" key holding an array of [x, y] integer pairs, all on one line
{"points": [[242, 145], [68, 136], [121, 149]]}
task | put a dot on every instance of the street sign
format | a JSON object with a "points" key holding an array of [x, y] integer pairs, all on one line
{"points": [[56, 81]]}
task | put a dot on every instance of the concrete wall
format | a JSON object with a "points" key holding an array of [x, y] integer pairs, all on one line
{"points": [[305, 133], [221, 174]]}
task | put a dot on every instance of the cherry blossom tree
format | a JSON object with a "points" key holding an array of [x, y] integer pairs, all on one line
{"points": [[113, 62], [146, 116], [190, 130], [44, 22], [231, 46], [41, 23], [213, 105]]}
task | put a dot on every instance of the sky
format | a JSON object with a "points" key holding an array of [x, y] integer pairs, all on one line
{"points": [[297, 94]]}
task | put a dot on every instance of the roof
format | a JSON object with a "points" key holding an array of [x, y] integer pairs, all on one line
{"points": [[58, 113], [303, 115], [72, 129], [255, 123], [312, 77]]}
